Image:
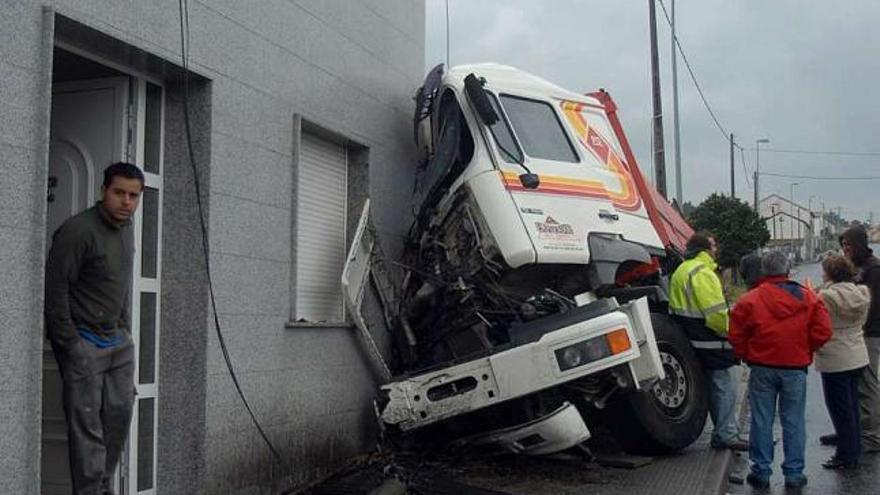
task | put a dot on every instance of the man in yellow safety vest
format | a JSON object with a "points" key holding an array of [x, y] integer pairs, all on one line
{"points": [[697, 301]]}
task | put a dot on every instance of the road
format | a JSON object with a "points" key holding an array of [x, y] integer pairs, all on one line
{"points": [[821, 481]]}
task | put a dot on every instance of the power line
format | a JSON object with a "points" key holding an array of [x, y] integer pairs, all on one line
{"points": [[820, 152], [694, 78], [447, 34], [815, 177], [742, 156]]}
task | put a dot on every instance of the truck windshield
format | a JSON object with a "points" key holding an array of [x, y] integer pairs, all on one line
{"points": [[538, 129]]}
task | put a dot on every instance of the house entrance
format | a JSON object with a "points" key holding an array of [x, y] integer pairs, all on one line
{"points": [[102, 114]]}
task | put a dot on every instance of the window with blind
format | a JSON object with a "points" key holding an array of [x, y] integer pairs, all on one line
{"points": [[320, 234]]}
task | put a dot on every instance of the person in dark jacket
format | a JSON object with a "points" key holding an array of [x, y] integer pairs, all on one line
{"points": [[775, 328], [854, 243], [88, 281]]}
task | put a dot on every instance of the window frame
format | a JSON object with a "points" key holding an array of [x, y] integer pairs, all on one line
{"points": [[356, 192]]}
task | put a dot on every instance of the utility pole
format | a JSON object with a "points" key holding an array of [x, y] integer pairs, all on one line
{"points": [[678, 186], [659, 156], [732, 178]]}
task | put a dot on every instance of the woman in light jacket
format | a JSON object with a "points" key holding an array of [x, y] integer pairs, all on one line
{"points": [[842, 358]]}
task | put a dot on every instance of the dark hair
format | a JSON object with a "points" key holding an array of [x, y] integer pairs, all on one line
{"points": [[857, 237], [122, 169], [700, 241], [750, 269], [839, 268]]}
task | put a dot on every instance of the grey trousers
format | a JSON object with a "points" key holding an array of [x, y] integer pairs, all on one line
{"points": [[869, 396], [98, 396]]}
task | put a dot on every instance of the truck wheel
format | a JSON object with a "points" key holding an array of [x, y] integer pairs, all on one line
{"points": [[671, 415]]}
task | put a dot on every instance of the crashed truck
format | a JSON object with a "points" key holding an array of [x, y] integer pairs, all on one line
{"points": [[529, 303]]}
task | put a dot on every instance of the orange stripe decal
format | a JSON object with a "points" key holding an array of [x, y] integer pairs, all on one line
{"points": [[626, 198]]}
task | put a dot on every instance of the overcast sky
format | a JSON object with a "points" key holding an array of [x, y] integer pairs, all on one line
{"points": [[805, 74]]}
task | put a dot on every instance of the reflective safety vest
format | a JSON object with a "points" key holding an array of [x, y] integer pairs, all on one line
{"points": [[697, 299]]}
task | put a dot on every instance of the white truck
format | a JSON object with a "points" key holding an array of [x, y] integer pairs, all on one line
{"points": [[530, 299]]}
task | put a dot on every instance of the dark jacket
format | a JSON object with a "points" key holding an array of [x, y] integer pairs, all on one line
{"points": [[88, 276], [779, 324], [869, 275]]}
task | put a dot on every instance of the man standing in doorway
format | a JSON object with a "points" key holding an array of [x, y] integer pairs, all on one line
{"points": [[88, 280], [854, 243], [697, 301]]}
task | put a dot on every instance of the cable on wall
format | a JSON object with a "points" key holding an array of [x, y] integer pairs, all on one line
{"points": [[184, 45]]}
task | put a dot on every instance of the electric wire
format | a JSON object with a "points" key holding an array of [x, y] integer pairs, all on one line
{"points": [[694, 78], [819, 177], [447, 34], [819, 152], [742, 156], [768, 150], [184, 44]]}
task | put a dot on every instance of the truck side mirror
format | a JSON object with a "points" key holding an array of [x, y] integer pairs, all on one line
{"points": [[529, 180], [474, 89]]}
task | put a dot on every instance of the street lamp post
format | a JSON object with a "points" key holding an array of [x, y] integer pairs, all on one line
{"points": [[773, 218], [758, 143], [791, 209], [812, 248]]}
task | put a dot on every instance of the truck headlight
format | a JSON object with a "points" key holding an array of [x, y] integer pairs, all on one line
{"points": [[591, 350]]}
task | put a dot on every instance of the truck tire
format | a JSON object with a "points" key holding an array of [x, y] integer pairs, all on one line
{"points": [[671, 415]]}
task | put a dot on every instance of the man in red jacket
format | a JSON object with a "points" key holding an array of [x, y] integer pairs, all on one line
{"points": [[775, 328]]}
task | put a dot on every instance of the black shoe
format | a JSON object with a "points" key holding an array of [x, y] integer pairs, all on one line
{"points": [[829, 439], [795, 481], [758, 481], [840, 464]]}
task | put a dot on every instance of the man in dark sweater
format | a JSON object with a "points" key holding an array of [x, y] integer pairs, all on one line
{"points": [[88, 279], [854, 242]]}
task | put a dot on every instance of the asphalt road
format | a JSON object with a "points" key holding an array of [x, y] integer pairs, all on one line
{"points": [[865, 481]]}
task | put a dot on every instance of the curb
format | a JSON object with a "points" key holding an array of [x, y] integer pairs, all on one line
{"points": [[722, 460]]}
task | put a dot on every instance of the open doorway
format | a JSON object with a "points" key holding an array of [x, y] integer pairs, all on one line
{"points": [[103, 113]]}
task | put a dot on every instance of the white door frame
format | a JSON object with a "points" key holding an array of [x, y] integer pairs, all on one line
{"points": [[126, 479]]}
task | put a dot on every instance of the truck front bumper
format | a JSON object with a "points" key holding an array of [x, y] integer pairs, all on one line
{"points": [[561, 429], [550, 361]]}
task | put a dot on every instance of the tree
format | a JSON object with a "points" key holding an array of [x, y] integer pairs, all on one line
{"points": [[738, 228]]}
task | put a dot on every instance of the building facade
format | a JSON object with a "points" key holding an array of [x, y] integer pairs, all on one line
{"points": [[793, 227], [285, 116]]}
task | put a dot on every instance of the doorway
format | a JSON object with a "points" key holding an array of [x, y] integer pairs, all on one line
{"points": [[103, 113]]}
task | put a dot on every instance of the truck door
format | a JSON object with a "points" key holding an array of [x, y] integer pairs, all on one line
{"points": [[584, 186]]}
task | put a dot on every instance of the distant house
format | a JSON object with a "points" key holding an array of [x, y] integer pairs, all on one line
{"points": [[793, 226], [298, 110]]}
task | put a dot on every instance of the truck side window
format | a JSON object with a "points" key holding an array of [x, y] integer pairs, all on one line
{"points": [[538, 129], [453, 153]]}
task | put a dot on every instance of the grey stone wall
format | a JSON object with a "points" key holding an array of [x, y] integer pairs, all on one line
{"points": [[350, 66], [25, 58]]}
